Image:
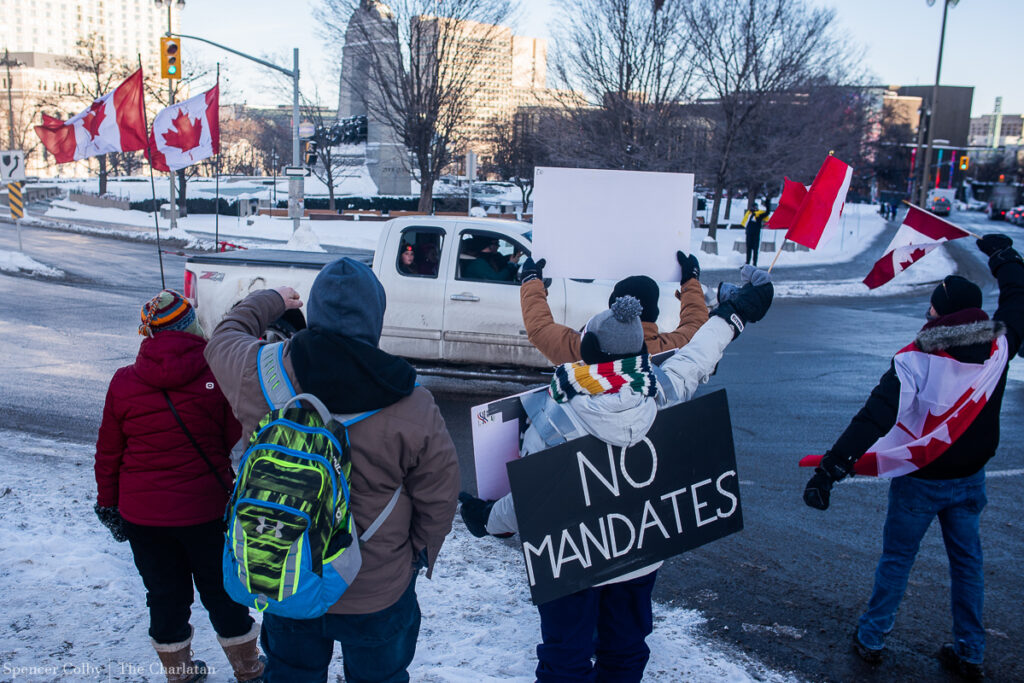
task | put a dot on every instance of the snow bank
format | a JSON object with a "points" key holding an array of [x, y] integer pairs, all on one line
{"points": [[17, 262], [76, 609]]}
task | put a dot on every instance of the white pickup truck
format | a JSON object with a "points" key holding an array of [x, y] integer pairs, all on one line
{"points": [[454, 300]]}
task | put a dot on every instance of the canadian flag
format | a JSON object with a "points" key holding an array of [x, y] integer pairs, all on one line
{"points": [[932, 414], [187, 132], [115, 122], [811, 214], [919, 234]]}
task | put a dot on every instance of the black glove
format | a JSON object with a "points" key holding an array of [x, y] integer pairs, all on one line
{"points": [[531, 270], [746, 306], [1000, 251], [690, 266], [817, 491], [475, 513], [991, 243], [112, 519]]}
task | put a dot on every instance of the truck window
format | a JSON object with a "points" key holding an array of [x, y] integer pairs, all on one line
{"points": [[419, 252], [488, 257]]}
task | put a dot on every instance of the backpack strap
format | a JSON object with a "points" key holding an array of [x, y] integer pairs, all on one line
{"points": [[549, 418], [312, 400], [372, 529], [274, 382]]}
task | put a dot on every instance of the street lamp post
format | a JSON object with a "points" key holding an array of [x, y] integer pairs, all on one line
{"points": [[170, 101], [295, 184], [926, 167], [273, 170], [8, 62]]}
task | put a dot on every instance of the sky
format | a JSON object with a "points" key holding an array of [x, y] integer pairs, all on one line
{"points": [[900, 39]]}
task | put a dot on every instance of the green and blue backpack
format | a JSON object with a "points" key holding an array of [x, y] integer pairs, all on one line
{"points": [[292, 547]]}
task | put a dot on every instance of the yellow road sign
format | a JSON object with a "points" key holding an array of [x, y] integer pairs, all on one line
{"points": [[14, 200]]}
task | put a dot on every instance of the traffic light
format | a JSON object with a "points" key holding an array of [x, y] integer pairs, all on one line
{"points": [[963, 162], [170, 57], [310, 153]]}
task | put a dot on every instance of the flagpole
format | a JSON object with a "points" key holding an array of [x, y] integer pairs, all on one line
{"points": [[216, 204], [152, 187], [777, 255], [939, 218]]}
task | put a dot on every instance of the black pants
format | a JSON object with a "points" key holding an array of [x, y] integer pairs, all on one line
{"points": [[170, 559], [753, 239]]}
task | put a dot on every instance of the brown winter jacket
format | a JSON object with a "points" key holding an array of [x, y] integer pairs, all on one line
{"points": [[561, 344], [406, 444]]}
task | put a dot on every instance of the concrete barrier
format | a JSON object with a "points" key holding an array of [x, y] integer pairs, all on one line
{"points": [[99, 202]]}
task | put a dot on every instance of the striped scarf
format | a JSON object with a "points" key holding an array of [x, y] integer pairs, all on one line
{"points": [[580, 379]]}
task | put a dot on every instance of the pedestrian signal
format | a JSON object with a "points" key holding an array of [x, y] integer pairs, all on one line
{"points": [[170, 57], [963, 162]]}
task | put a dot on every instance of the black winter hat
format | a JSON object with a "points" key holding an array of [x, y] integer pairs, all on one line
{"points": [[954, 294], [646, 292]]}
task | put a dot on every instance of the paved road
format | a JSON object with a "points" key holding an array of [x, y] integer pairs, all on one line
{"points": [[787, 590]]}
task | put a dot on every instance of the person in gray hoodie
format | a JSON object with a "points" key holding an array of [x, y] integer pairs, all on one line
{"points": [[404, 444], [612, 344]]}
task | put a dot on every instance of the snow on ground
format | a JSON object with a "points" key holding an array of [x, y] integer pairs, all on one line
{"points": [[74, 605], [17, 262]]}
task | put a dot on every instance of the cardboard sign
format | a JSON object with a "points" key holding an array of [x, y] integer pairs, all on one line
{"points": [[607, 225], [498, 428], [589, 512]]}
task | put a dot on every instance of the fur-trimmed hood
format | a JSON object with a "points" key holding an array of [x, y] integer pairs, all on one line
{"points": [[944, 337]]}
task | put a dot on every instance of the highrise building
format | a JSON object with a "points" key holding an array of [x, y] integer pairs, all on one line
{"points": [[40, 35]]}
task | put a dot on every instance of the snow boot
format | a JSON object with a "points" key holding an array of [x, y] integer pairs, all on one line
{"points": [[952, 661], [868, 655], [243, 656], [177, 663]]}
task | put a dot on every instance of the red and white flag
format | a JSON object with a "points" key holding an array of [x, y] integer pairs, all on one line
{"points": [[187, 132], [115, 122], [932, 414], [812, 214], [919, 234]]}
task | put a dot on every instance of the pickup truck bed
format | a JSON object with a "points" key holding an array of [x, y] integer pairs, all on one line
{"points": [[274, 257]]}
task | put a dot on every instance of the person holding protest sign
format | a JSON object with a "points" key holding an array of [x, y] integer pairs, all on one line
{"points": [[614, 393], [561, 344], [930, 425]]}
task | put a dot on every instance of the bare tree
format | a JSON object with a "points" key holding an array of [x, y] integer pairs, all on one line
{"points": [[98, 72], [517, 148], [417, 65], [749, 51], [631, 62]]}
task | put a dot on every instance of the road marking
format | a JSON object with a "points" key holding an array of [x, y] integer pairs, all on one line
{"points": [[993, 474]]}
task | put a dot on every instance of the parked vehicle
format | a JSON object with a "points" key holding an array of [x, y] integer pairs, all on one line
{"points": [[434, 311], [1016, 215]]}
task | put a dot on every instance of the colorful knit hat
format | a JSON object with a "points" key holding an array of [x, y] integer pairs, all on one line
{"points": [[167, 311]]}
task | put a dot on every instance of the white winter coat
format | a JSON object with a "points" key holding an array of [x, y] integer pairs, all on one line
{"points": [[623, 419]]}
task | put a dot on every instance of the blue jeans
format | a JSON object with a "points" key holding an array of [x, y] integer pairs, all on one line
{"points": [[913, 503], [375, 647], [619, 614]]}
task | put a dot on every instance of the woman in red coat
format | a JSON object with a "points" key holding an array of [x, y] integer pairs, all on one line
{"points": [[164, 490]]}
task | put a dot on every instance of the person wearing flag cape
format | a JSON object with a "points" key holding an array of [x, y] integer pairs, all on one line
{"points": [[930, 425]]}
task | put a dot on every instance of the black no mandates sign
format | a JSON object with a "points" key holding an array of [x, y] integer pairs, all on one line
{"points": [[589, 512]]}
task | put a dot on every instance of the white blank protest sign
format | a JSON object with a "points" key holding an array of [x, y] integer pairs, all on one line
{"points": [[608, 225]]}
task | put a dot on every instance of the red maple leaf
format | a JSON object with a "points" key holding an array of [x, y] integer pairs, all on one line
{"points": [[91, 121], [915, 256], [184, 134]]}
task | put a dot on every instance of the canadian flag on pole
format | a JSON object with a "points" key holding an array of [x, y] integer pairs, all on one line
{"points": [[919, 234], [187, 132], [811, 214], [115, 122]]}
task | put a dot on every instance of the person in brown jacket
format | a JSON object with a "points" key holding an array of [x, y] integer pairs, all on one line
{"points": [[405, 444], [561, 344]]}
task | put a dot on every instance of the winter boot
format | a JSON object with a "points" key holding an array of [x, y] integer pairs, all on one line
{"points": [[952, 661], [868, 655], [243, 656], [178, 665]]}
